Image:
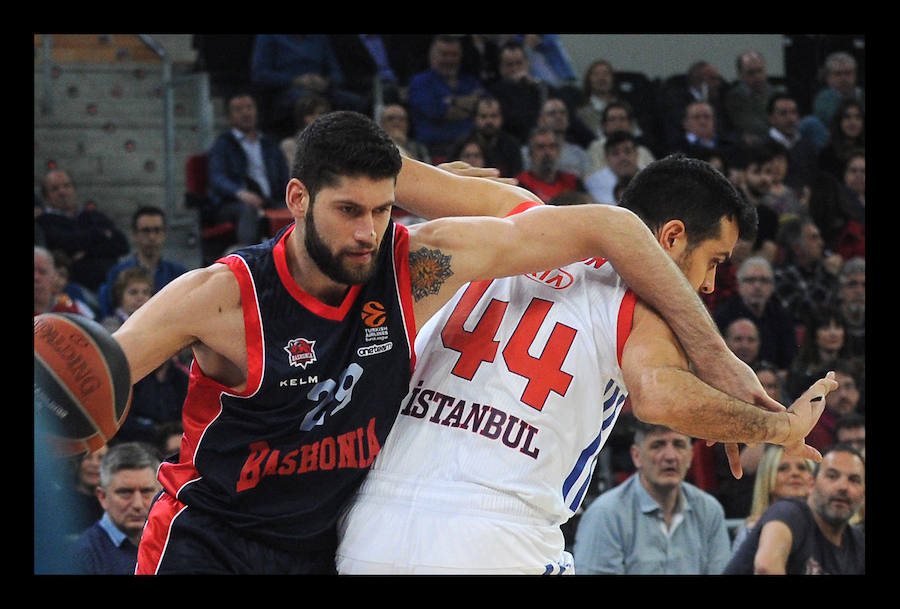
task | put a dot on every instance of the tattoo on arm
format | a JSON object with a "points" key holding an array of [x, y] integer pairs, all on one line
{"points": [[428, 270]]}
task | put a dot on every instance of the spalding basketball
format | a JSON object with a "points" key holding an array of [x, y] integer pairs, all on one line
{"points": [[82, 382]]}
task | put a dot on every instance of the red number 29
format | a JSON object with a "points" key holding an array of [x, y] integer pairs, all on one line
{"points": [[475, 346]]}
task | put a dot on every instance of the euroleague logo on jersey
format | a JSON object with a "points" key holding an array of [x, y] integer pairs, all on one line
{"points": [[373, 314], [300, 352]]}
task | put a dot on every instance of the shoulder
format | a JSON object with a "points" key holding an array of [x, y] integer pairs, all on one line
{"points": [[700, 499]]}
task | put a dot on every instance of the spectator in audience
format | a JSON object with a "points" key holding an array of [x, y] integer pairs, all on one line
{"points": [[786, 200], [132, 287], [48, 294], [742, 337], [806, 277], [803, 155], [654, 523], [854, 184], [81, 496], [756, 167], [547, 59], [90, 238], [544, 178], [811, 536], [481, 56], [572, 157], [777, 476], [745, 100], [700, 130], [247, 171], [501, 150], [394, 119], [148, 238], [755, 287], [622, 162], [470, 151], [823, 344], [598, 89], [442, 99], [850, 300], [616, 116], [842, 402], [367, 67], [284, 67], [168, 438], [851, 429], [71, 294], [701, 83], [156, 400], [307, 108], [520, 95], [847, 133], [127, 487], [840, 85]]}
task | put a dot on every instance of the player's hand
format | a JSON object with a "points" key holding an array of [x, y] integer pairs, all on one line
{"points": [[461, 168], [803, 415]]}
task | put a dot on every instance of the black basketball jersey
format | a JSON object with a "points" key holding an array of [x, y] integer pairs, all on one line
{"points": [[280, 459]]}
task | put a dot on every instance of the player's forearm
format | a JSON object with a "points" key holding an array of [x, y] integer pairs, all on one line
{"points": [[674, 397], [431, 193]]}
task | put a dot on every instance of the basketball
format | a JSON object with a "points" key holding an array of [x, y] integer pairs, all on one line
{"points": [[82, 383]]}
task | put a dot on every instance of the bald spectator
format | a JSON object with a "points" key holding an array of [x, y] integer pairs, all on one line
{"points": [[745, 101]]}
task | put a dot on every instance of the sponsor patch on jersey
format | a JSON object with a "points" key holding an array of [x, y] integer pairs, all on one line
{"points": [[300, 352], [558, 279], [374, 349]]}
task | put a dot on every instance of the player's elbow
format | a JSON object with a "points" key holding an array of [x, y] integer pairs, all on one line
{"points": [[649, 397]]}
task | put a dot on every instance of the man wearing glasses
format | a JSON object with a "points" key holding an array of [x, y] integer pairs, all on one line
{"points": [[148, 236]]}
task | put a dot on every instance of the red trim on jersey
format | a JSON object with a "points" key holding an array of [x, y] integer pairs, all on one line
{"points": [[310, 302], [623, 326], [404, 286], [155, 536], [252, 325], [523, 206]]}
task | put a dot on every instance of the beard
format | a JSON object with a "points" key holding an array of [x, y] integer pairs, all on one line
{"points": [[332, 265]]}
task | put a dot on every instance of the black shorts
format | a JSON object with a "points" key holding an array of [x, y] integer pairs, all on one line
{"points": [[182, 540]]}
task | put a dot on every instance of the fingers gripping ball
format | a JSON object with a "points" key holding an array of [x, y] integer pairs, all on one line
{"points": [[82, 383]]}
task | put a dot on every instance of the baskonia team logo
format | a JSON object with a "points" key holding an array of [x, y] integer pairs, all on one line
{"points": [[300, 352]]}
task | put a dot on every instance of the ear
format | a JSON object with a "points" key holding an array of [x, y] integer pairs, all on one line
{"points": [[672, 237], [101, 496], [635, 456], [297, 198]]}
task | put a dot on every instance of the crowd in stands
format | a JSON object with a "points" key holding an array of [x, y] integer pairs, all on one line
{"points": [[791, 303]]}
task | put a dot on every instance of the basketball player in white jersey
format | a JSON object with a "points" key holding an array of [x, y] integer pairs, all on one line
{"points": [[519, 382]]}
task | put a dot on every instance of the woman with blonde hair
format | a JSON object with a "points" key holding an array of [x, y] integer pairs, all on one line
{"points": [[778, 476]]}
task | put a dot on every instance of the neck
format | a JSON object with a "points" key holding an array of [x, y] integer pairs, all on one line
{"points": [[148, 262], [834, 533], [665, 496]]}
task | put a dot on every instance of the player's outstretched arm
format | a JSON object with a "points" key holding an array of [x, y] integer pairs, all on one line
{"points": [[663, 390]]}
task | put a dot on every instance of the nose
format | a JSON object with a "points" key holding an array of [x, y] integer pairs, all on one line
{"points": [[365, 229]]}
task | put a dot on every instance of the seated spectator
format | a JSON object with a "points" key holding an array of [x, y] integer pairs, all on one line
{"points": [[842, 402], [806, 277], [501, 150], [616, 116], [654, 523], [700, 129], [802, 152], [442, 99], [823, 345], [544, 178], [572, 157], [840, 85], [785, 200], [70, 294], [90, 238], [283, 67], [777, 476], [49, 296], [127, 487], [394, 119], [80, 495], [148, 238], [367, 66], [168, 438], [622, 162], [520, 95], [742, 338], [548, 60], [470, 151], [847, 133], [481, 56], [850, 300], [307, 108], [839, 216], [132, 287], [811, 536], [701, 83], [247, 171], [755, 288], [746, 99]]}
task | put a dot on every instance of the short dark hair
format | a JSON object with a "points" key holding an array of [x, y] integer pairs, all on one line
{"points": [[851, 420], [147, 210], [839, 447], [775, 97], [617, 137], [681, 188], [343, 144]]}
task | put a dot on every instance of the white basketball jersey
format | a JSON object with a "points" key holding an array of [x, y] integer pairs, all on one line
{"points": [[516, 389]]}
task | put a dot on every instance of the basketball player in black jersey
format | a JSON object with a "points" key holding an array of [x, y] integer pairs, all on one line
{"points": [[303, 345]]}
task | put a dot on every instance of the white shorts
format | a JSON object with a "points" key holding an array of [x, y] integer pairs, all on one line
{"points": [[451, 530]]}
